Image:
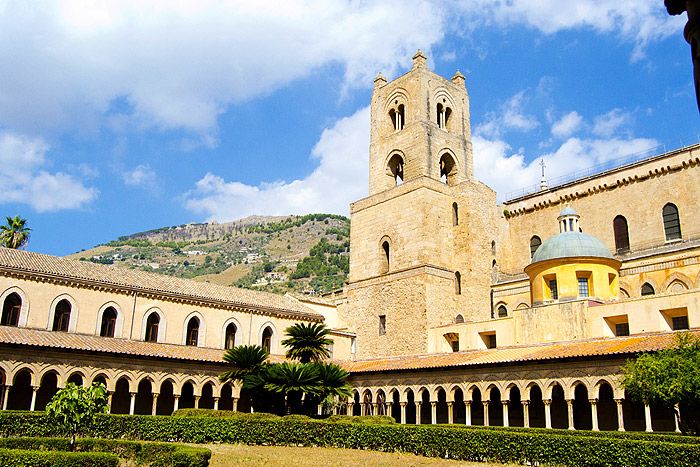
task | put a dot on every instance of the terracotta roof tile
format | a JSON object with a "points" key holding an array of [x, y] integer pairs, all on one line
{"points": [[148, 282], [540, 352]]}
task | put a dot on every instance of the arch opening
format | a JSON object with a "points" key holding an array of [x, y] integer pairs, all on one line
{"points": [[10, 310], [61, 317]]}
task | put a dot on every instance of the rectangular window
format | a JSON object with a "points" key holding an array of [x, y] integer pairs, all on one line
{"points": [[583, 287], [553, 292], [455, 346], [622, 329], [491, 341], [680, 322], [382, 325]]}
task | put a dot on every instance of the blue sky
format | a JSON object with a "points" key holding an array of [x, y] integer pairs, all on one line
{"points": [[118, 117]]}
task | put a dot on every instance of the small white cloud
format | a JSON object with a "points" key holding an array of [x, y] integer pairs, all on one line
{"points": [[340, 178], [510, 117], [24, 179], [567, 125], [608, 124], [141, 176]]}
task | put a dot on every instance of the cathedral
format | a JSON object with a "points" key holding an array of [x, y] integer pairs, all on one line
{"points": [[457, 309]]}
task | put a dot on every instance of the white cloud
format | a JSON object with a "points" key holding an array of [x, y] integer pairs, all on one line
{"points": [[141, 176], [567, 125], [509, 117], [340, 178], [612, 122], [25, 180]]}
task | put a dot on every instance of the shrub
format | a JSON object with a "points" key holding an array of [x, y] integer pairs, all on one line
{"points": [[22, 458], [366, 419], [224, 414]]}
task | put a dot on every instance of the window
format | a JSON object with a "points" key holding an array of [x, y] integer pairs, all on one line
{"points": [[443, 115], [267, 339], [622, 329], [452, 339], [385, 257], [455, 345], [11, 309], [502, 311], [448, 169], [230, 339], [61, 317], [394, 169], [458, 283], [622, 238], [455, 214], [583, 286], [109, 322], [192, 336], [152, 327], [397, 117], [679, 322], [553, 292], [382, 325], [535, 243], [459, 319], [489, 339], [672, 223], [647, 289]]}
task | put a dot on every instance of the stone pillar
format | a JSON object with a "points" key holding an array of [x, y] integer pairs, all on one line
{"points": [[468, 412], [486, 412], [620, 417], [547, 413], [450, 413], [176, 405], [570, 409], [34, 391], [417, 413], [196, 401], [132, 403], [677, 418], [109, 401], [526, 413], [216, 403], [433, 412], [235, 404], [349, 407], [647, 418], [387, 409], [403, 413], [505, 404], [5, 396], [594, 413], [155, 403], [375, 409]]}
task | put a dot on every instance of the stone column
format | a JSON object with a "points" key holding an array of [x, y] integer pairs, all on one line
{"points": [[433, 412], [620, 417], [109, 401], [196, 401], [570, 409], [5, 396], [34, 391], [468, 412], [176, 405], [486, 412], [505, 404], [387, 408], [235, 404], [155, 403], [594, 413], [417, 413], [677, 418], [547, 413], [216, 403], [647, 418], [403, 413], [450, 413], [375, 409], [526, 413], [349, 407], [132, 403]]}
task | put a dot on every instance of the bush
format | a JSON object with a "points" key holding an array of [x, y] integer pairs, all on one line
{"points": [[224, 414], [366, 419], [22, 458]]}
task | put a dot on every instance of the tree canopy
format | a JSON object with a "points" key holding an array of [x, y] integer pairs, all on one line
{"points": [[75, 407], [307, 342], [15, 233]]}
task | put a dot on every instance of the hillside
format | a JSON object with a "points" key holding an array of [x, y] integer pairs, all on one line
{"points": [[307, 254]]}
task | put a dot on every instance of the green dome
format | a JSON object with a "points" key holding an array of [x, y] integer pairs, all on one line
{"points": [[571, 244]]}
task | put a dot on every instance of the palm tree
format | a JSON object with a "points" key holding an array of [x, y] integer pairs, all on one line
{"points": [[248, 362], [333, 382], [15, 234], [307, 342], [292, 380]]}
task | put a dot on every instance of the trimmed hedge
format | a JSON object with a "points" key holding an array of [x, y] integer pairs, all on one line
{"points": [[225, 414], [23, 458], [138, 453], [366, 419]]}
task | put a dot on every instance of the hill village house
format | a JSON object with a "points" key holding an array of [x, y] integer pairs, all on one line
{"points": [[457, 309]]}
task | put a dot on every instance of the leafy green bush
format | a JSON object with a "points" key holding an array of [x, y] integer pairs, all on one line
{"points": [[224, 414], [22, 458], [366, 419]]}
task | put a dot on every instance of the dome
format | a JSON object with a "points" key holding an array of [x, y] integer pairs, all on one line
{"points": [[571, 244], [567, 211]]}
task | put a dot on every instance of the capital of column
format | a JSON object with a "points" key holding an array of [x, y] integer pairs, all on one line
{"points": [[35, 388], [593, 400], [433, 403], [403, 404], [486, 403], [619, 401], [450, 404], [133, 393], [216, 398], [569, 402], [525, 402], [547, 401], [468, 403], [505, 402]]}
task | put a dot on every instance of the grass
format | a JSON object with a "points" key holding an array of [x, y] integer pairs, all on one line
{"points": [[227, 455]]}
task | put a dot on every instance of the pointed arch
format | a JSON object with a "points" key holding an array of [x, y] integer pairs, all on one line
{"points": [[15, 307], [110, 320], [194, 330], [63, 314]]}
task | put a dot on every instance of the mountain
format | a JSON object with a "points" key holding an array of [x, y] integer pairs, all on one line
{"points": [[307, 254]]}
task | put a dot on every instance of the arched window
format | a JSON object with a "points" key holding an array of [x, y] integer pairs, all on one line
{"points": [[502, 311], [267, 339], [10, 310], [109, 322], [385, 257], [395, 169], [61, 316], [448, 169], [459, 319], [230, 339], [647, 289], [455, 214], [152, 327], [192, 336], [535, 243], [672, 223], [458, 283], [397, 117], [622, 238]]}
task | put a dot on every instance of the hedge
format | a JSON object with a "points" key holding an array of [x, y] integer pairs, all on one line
{"points": [[138, 453], [467, 443], [369, 419], [24, 458]]}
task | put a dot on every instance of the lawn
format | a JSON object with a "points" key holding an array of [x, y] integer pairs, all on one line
{"points": [[226, 455]]}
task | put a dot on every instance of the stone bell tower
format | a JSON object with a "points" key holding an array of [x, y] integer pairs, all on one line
{"points": [[420, 244]]}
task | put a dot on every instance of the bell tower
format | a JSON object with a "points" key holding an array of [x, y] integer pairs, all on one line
{"points": [[420, 243]]}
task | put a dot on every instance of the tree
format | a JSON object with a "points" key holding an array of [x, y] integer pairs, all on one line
{"points": [[332, 383], [671, 377], [75, 407], [307, 342], [249, 362], [15, 234], [292, 380]]}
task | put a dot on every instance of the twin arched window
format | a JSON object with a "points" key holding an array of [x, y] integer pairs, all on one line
{"points": [[10, 310], [397, 115], [443, 115], [61, 317]]}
